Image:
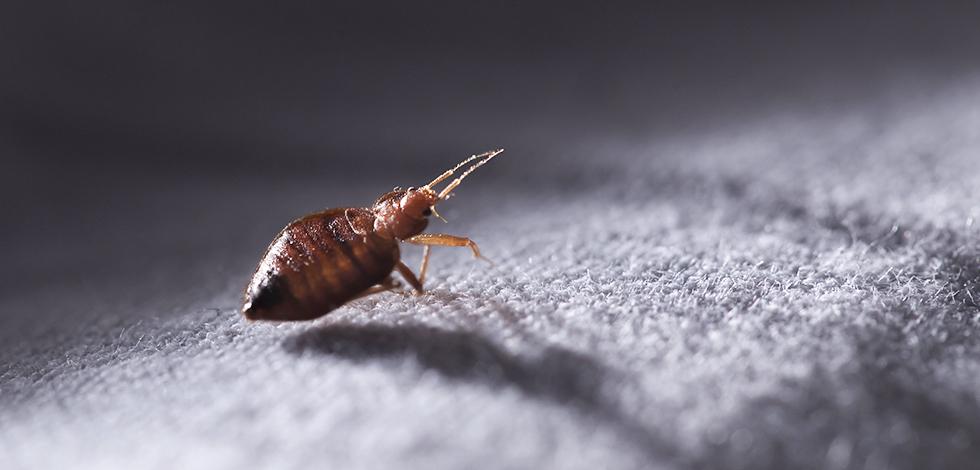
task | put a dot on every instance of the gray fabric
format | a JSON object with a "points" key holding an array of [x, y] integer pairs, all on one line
{"points": [[798, 291]]}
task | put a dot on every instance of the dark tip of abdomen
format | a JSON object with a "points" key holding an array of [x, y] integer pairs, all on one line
{"points": [[249, 311], [263, 299]]}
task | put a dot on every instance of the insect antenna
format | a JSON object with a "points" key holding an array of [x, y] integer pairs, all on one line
{"points": [[486, 157], [459, 165], [448, 173]]}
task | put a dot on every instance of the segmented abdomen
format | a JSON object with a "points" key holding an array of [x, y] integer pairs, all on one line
{"points": [[315, 265]]}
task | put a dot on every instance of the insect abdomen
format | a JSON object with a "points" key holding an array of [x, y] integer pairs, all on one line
{"points": [[315, 265]]}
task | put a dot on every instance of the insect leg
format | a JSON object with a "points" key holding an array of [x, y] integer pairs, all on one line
{"points": [[442, 239], [425, 263], [410, 277]]}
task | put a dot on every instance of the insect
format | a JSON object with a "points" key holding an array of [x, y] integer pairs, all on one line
{"points": [[326, 259]]}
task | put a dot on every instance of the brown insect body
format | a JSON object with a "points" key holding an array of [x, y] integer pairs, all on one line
{"points": [[326, 259]]}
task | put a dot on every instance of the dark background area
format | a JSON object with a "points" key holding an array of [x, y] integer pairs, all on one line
{"points": [[245, 88]]}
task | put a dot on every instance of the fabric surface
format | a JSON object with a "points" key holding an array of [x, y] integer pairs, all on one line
{"points": [[795, 291]]}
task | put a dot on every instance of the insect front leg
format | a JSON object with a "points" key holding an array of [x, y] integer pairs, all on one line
{"points": [[442, 239]]}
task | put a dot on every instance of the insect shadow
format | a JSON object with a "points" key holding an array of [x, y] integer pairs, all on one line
{"points": [[554, 374]]}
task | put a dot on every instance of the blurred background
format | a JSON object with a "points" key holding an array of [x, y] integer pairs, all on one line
{"points": [[246, 90], [150, 150]]}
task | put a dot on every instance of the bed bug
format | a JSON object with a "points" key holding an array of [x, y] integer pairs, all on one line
{"points": [[326, 259]]}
